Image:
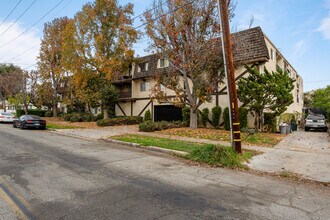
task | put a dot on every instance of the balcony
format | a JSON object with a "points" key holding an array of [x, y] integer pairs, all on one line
{"points": [[125, 95]]}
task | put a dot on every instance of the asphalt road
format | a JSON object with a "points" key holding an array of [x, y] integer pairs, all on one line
{"points": [[47, 176]]}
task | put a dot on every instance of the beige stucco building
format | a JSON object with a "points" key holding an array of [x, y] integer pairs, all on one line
{"points": [[252, 47]]}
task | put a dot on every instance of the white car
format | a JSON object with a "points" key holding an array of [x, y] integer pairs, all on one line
{"points": [[6, 117]]}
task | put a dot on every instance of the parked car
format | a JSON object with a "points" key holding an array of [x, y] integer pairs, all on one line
{"points": [[29, 121], [316, 122], [6, 117]]}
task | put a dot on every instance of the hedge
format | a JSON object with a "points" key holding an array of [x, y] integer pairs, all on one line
{"points": [[243, 112], [150, 126], [38, 112], [125, 120], [216, 114], [205, 116], [226, 120], [186, 116]]}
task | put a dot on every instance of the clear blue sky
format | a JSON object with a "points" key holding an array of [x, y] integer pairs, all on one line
{"points": [[299, 28]]}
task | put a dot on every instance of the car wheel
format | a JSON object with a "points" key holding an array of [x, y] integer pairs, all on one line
{"points": [[306, 129], [14, 125]]}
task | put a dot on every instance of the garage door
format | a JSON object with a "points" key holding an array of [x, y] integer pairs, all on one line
{"points": [[167, 113]]}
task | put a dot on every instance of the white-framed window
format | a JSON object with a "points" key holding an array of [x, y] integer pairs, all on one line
{"points": [[162, 63], [143, 67], [272, 54], [144, 86]]}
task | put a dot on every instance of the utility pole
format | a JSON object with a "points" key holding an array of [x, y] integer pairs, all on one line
{"points": [[231, 84]]}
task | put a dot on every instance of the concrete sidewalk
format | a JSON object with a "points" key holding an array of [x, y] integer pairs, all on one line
{"points": [[303, 153]]}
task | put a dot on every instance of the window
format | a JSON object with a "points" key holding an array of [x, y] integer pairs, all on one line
{"points": [[143, 67], [272, 54], [144, 86], [163, 62]]}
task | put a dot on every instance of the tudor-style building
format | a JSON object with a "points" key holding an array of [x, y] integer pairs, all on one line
{"points": [[251, 47]]}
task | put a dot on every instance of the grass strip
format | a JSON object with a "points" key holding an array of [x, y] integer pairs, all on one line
{"points": [[215, 155], [57, 126]]}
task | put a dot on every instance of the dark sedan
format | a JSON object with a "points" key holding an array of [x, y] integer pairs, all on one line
{"points": [[29, 121]]}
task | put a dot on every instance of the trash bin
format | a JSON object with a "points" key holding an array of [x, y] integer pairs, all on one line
{"points": [[294, 127], [283, 128], [288, 129]]}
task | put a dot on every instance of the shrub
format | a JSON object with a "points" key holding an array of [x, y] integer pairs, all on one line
{"points": [[186, 116], [48, 114], [225, 117], [147, 126], [99, 117], [217, 156], [159, 126], [125, 120], [205, 116], [147, 115], [87, 117], [216, 114], [243, 112], [66, 117], [269, 122], [74, 118], [38, 112]]}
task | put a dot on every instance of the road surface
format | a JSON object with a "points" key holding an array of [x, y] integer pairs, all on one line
{"points": [[47, 176]]}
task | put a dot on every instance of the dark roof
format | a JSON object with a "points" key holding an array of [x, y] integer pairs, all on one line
{"points": [[249, 46]]}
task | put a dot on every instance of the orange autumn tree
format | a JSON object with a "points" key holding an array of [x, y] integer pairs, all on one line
{"points": [[50, 60], [187, 34], [98, 46]]}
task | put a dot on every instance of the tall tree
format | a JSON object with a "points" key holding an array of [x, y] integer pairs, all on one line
{"points": [[320, 98], [98, 44], [268, 91], [187, 34], [9, 76], [50, 57]]}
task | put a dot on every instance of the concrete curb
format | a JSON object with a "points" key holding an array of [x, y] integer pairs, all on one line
{"points": [[152, 148]]}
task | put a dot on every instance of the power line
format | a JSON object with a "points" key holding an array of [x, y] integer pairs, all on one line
{"points": [[12, 40], [18, 18], [149, 10], [10, 12], [188, 3], [23, 52]]}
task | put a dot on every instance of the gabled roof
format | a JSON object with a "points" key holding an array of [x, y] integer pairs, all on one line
{"points": [[249, 46]]}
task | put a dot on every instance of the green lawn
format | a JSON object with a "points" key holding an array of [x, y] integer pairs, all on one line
{"points": [[159, 142], [57, 126], [204, 153]]}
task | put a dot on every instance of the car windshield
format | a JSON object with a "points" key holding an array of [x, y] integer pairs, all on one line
{"points": [[32, 117], [315, 117], [6, 114]]}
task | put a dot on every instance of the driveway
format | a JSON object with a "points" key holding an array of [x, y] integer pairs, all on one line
{"points": [[304, 153]]}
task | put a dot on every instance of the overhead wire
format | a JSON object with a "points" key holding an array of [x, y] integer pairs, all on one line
{"points": [[4, 20], [18, 18], [12, 40]]}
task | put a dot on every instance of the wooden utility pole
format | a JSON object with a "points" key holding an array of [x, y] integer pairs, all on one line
{"points": [[231, 87]]}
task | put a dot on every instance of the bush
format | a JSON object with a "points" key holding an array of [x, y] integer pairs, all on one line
{"points": [[186, 116], [74, 118], [269, 122], [48, 114], [216, 114], [205, 116], [99, 117], [125, 120], [147, 115], [87, 117], [147, 126], [38, 112], [150, 126], [225, 117], [243, 112], [66, 117], [217, 156]]}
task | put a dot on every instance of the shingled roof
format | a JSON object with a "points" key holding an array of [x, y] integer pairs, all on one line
{"points": [[249, 46]]}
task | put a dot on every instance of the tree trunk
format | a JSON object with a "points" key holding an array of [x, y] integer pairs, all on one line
{"points": [[54, 109], [105, 113], [193, 118]]}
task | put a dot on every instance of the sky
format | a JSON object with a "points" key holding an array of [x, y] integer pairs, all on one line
{"points": [[299, 28]]}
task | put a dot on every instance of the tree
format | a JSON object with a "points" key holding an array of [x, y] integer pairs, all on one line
{"points": [[51, 58], [98, 44], [268, 91], [9, 76], [320, 98], [187, 34]]}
